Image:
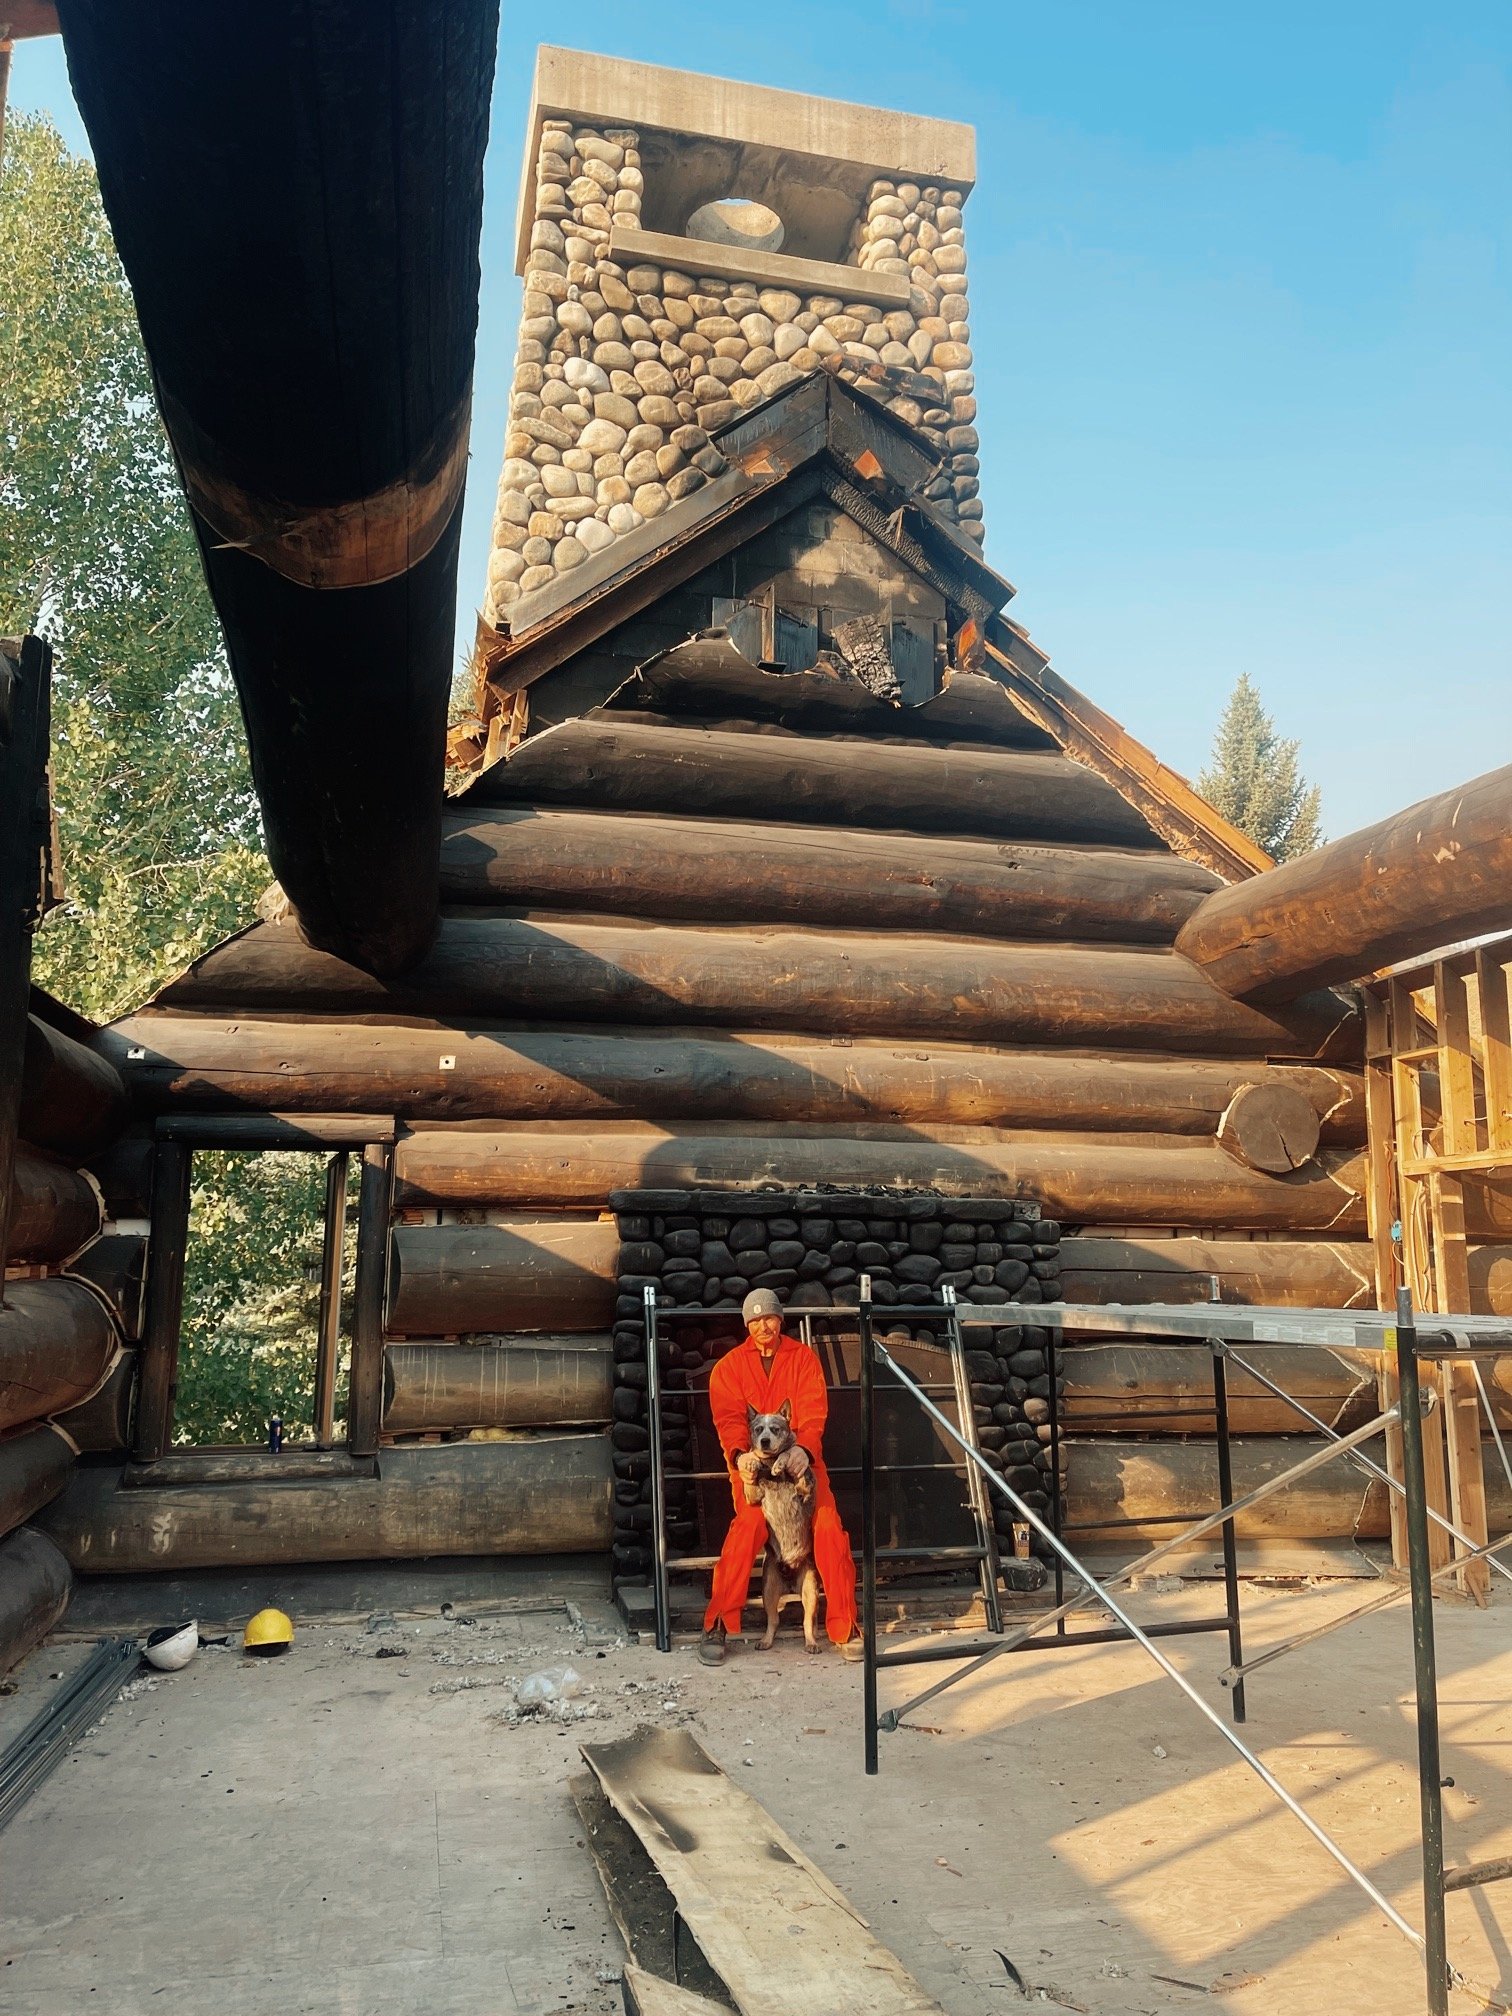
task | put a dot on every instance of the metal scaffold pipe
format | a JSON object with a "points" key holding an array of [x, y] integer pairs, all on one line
{"points": [[1105, 1596]]}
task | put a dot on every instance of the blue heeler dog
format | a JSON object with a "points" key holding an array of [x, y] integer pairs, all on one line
{"points": [[777, 1477]]}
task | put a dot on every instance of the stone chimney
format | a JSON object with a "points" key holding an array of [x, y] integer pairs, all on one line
{"points": [[689, 247]]}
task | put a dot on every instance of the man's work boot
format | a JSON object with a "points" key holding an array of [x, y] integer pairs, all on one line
{"points": [[711, 1647]]}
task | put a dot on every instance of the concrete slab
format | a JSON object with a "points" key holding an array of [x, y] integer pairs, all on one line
{"points": [[332, 1833]]}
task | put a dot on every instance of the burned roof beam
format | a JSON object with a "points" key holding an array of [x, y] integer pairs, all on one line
{"points": [[296, 193]]}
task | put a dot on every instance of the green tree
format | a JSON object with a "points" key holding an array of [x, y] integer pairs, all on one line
{"points": [[159, 827], [1253, 780]]}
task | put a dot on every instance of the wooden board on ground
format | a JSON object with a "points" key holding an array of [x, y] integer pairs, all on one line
{"points": [[767, 1919], [649, 1995], [642, 1907]]}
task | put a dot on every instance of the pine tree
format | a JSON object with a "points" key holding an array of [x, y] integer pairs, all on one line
{"points": [[1253, 779]]}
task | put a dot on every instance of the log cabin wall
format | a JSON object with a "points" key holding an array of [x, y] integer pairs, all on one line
{"points": [[780, 860], [715, 926], [69, 1312]]}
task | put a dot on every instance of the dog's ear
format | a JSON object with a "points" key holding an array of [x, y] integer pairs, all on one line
{"points": [[786, 1411]]}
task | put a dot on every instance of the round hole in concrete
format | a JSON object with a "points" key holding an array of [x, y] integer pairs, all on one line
{"points": [[736, 220]]}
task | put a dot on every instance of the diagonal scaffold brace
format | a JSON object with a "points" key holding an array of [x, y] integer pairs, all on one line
{"points": [[1103, 1592]]}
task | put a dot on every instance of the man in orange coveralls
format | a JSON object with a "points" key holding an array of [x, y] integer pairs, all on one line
{"points": [[762, 1372]]}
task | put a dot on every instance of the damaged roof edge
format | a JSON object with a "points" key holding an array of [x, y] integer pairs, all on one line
{"points": [[1179, 814]]}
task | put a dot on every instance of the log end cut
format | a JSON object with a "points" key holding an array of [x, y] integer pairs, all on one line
{"points": [[1270, 1127]]}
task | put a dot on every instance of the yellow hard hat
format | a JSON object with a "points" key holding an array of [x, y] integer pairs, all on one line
{"points": [[270, 1631]]}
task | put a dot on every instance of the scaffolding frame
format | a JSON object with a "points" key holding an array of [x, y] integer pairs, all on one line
{"points": [[983, 1554], [1461, 1345]]}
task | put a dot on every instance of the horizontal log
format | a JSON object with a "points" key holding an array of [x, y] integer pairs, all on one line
{"points": [[440, 1073], [35, 1585], [56, 1344], [447, 1280], [516, 1383], [1087, 1182], [1149, 1388], [1150, 1481], [1438, 873], [1124, 1388], [54, 1210], [703, 870], [101, 1424], [596, 762], [294, 1463], [296, 1132], [34, 1467], [709, 681], [72, 1098], [543, 1494], [850, 983], [1272, 1273]]}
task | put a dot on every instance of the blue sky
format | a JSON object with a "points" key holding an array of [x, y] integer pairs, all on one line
{"points": [[1242, 316]]}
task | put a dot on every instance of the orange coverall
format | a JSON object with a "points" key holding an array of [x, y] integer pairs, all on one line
{"points": [[742, 1379]]}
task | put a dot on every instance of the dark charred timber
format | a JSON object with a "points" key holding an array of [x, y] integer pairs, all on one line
{"points": [[72, 1099], [280, 1131], [101, 1425], [115, 1266], [168, 1240], [441, 1073], [544, 1382], [123, 1172], [1271, 1273], [848, 983], [597, 763], [25, 840], [316, 393], [447, 1280], [33, 1469], [548, 1494], [709, 677], [723, 871], [54, 1210], [35, 1585], [1152, 1389], [369, 1296], [1436, 874], [1083, 1182], [56, 1344]]}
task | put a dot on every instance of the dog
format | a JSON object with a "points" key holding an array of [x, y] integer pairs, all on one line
{"points": [[776, 1475]]}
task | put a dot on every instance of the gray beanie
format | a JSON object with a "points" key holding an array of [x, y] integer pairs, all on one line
{"points": [[760, 1302]]}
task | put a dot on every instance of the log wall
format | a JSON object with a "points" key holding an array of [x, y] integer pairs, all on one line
{"points": [[546, 1494], [853, 983], [1136, 1181], [528, 1382], [1148, 1482], [35, 1584], [435, 1071]]}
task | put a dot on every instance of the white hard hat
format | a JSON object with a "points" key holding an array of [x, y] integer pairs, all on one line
{"points": [[172, 1646]]}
